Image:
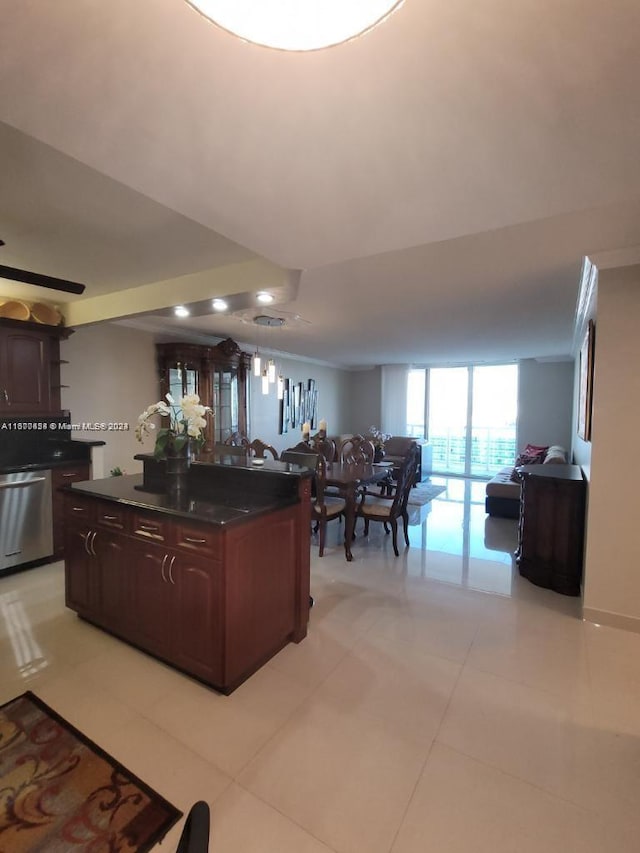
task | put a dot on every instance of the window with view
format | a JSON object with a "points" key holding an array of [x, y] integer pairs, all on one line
{"points": [[467, 413]]}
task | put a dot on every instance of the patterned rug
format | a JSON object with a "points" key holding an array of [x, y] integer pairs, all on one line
{"points": [[59, 792], [423, 493]]}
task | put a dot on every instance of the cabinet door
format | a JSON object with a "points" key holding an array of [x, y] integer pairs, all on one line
{"points": [[196, 615], [62, 477], [24, 372], [81, 571], [113, 578], [152, 597]]}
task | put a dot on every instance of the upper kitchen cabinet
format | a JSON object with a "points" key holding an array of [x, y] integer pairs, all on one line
{"points": [[30, 367], [217, 374]]}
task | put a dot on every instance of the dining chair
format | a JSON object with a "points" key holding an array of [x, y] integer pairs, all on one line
{"points": [[388, 508], [195, 834], [356, 449], [302, 454], [236, 439], [324, 506], [235, 450], [257, 448], [325, 446]]}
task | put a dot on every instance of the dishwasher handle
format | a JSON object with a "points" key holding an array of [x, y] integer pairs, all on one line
{"points": [[21, 483]]}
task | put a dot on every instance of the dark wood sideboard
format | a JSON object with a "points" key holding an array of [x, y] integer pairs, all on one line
{"points": [[551, 527]]}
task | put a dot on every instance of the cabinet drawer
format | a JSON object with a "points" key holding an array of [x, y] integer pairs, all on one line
{"points": [[110, 515], [148, 525], [79, 507], [198, 539], [69, 474]]}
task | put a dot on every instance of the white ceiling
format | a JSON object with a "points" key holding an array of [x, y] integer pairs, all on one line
{"points": [[437, 180]]}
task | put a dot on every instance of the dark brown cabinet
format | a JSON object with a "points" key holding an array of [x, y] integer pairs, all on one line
{"points": [[213, 601], [81, 578], [176, 599], [63, 476], [219, 375], [30, 367], [551, 526]]}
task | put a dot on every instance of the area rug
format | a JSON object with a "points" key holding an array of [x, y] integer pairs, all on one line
{"points": [[424, 493], [59, 792]]}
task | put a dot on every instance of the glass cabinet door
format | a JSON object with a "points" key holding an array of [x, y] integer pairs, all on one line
{"points": [[182, 380], [225, 404], [217, 374]]}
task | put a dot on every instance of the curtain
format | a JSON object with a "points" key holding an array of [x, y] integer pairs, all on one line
{"points": [[393, 398]]}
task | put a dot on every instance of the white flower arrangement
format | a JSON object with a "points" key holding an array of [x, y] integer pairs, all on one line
{"points": [[186, 425], [377, 437]]}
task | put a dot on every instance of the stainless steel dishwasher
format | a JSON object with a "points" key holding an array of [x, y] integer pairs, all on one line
{"points": [[26, 528]]}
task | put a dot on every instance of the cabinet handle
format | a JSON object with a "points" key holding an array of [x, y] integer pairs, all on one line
{"points": [[6, 396], [149, 528], [79, 508], [91, 544], [195, 541], [86, 542], [74, 474], [109, 517], [164, 560], [173, 559]]}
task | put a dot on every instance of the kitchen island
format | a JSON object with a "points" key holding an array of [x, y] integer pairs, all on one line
{"points": [[213, 580]]}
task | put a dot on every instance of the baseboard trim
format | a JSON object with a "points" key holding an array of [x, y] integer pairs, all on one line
{"points": [[611, 620]]}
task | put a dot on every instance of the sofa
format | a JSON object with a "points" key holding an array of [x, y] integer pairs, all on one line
{"points": [[396, 448], [503, 490]]}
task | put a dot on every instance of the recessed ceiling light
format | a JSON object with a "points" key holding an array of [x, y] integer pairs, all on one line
{"points": [[264, 297], [219, 305], [296, 24], [181, 311]]}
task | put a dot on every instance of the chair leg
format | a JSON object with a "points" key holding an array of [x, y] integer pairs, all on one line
{"points": [[394, 529], [386, 527], [323, 529], [366, 526], [405, 520]]}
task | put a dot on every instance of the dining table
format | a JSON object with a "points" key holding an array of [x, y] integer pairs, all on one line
{"points": [[348, 477]]}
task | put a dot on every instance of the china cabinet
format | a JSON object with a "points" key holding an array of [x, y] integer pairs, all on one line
{"points": [[218, 374]]}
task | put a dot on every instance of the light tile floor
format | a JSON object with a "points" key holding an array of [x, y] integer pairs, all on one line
{"points": [[439, 703]]}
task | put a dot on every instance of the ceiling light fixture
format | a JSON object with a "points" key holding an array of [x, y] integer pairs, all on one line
{"points": [[296, 24], [219, 305], [181, 311], [264, 297]]}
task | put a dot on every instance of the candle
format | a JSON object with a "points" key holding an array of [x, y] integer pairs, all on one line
{"points": [[306, 429], [323, 425]]}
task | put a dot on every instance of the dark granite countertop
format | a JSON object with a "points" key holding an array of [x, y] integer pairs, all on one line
{"points": [[216, 508], [47, 453]]}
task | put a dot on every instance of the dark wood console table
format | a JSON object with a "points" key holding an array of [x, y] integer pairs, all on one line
{"points": [[551, 527]]}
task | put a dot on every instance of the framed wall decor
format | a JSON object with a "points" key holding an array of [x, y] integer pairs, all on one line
{"points": [[585, 397], [298, 406]]}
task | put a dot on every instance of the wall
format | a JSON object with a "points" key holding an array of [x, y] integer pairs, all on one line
{"points": [[334, 402], [612, 580], [111, 377], [545, 403], [364, 400]]}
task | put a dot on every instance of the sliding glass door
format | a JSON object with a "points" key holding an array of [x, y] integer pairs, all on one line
{"points": [[468, 414]]}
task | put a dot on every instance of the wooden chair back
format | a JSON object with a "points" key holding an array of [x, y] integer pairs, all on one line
{"points": [[355, 450], [325, 446], [235, 450], [236, 439], [258, 449], [302, 454]]}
